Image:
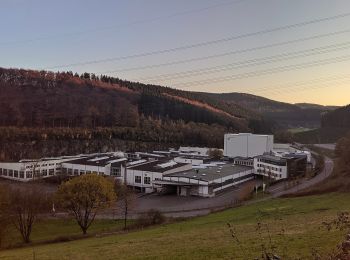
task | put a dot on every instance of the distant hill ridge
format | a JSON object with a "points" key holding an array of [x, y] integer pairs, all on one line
{"points": [[287, 115], [41, 98], [33, 98]]}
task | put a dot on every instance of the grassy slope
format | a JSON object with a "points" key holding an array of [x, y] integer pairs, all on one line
{"points": [[208, 237], [55, 228]]}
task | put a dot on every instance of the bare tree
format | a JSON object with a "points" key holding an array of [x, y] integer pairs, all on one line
{"points": [[25, 204], [126, 197]]}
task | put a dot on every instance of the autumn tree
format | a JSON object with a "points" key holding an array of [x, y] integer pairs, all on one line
{"points": [[84, 197], [26, 203], [126, 197], [215, 154]]}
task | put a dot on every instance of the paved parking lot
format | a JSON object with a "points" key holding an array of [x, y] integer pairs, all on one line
{"points": [[177, 206]]}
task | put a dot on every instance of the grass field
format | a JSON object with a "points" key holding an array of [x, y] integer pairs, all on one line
{"points": [[299, 130], [208, 237], [55, 229]]}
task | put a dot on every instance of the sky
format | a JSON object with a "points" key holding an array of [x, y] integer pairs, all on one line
{"points": [[287, 50]]}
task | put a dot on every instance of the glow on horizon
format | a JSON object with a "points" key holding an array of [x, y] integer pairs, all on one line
{"points": [[40, 34]]}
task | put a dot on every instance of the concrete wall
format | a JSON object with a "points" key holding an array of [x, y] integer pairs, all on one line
{"points": [[247, 145]]}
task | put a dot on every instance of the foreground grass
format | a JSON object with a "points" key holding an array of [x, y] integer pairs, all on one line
{"points": [[209, 238], [55, 229]]}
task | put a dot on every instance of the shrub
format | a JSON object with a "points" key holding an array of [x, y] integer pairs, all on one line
{"points": [[151, 217]]}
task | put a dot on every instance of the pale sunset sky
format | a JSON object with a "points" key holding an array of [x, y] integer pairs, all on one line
{"points": [[287, 50]]}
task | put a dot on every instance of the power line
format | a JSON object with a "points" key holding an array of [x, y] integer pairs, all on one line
{"points": [[226, 53], [143, 21], [265, 72], [202, 44], [249, 63], [303, 83], [302, 87]]}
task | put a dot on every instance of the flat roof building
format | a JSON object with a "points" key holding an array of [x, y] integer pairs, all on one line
{"points": [[205, 182], [280, 167]]}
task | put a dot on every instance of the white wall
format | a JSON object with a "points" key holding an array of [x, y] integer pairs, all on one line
{"points": [[247, 145], [130, 178], [263, 169], [45, 168]]}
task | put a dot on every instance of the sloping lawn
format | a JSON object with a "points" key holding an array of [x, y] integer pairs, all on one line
{"points": [[292, 226]]}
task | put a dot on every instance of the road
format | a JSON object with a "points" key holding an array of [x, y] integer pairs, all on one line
{"points": [[326, 146], [279, 190]]}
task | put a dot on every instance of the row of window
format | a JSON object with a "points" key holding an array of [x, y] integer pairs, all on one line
{"points": [[146, 180], [38, 166], [270, 167], [13, 173], [244, 163], [76, 172], [271, 174]]}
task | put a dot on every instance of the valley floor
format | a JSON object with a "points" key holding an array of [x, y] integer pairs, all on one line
{"points": [[293, 226]]}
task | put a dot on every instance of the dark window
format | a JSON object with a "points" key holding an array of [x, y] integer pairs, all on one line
{"points": [[51, 172], [147, 180], [115, 172], [137, 179], [29, 175], [16, 174]]}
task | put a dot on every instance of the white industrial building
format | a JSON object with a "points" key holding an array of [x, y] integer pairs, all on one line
{"points": [[205, 182], [278, 167], [273, 167], [283, 149], [28, 170], [143, 175], [98, 164], [247, 145]]}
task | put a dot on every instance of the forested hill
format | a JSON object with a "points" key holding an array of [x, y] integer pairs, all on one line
{"points": [[46, 99], [334, 125], [337, 118], [287, 115], [48, 114]]}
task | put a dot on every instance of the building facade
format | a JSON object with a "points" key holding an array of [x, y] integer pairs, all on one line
{"points": [[247, 145], [205, 182], [280, 167]]}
